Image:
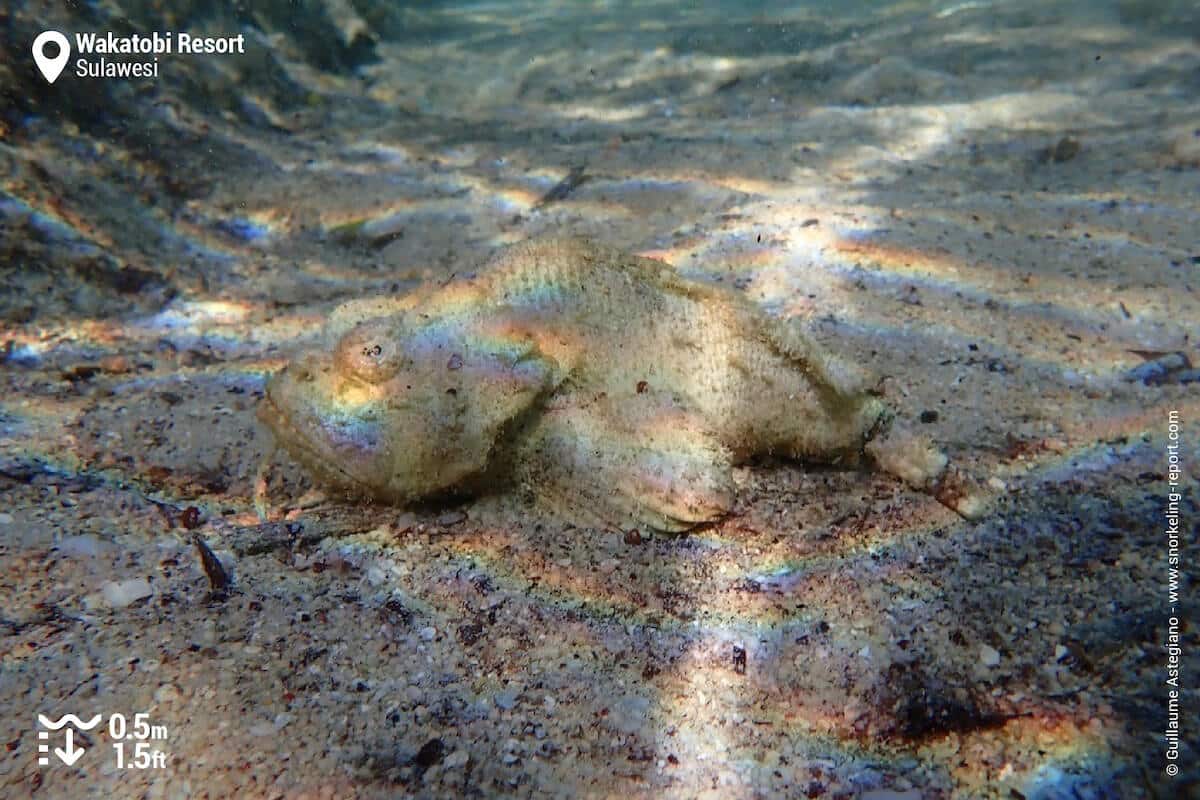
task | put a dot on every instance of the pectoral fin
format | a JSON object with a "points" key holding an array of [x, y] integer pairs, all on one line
{"points": [[496, 389], [640, 461]]}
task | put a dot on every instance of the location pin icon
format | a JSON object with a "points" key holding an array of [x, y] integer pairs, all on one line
{"points": [[51, 67]]}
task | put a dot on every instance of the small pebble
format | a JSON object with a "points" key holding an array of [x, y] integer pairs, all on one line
{"points": [[428, 633], [989, 656], [1066, 149], [119, 594], [189, 518], [116, 365], [86, 545], [972, 505], [1054, 445], [262, 729], [1158, 370], [166, 693], [431, 753]]}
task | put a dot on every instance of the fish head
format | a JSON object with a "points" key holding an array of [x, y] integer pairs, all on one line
{"points": [[401, 407]]}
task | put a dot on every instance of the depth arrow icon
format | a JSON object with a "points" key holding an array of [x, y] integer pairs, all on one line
{"points": [[72, 753]]}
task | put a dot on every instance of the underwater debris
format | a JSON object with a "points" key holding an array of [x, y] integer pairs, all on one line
{"points": [[395, 612], [574, 179], [430, 753], [243, 230], [739, 659], [926, 711], [81, 372], [470, 634], [374, 234], [218, 578], [271, 537], [189, 518], [116, 365], [451, 518], [1063, 150], [105, 271], [1162, 368]]}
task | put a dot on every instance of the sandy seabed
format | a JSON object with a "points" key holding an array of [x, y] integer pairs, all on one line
{"points": [[996, 206]]}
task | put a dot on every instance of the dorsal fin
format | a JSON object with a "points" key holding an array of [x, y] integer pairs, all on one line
{"points": [[843, 377]]}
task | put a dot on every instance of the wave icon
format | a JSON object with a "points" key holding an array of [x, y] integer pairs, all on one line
{"points": [[71, 718]]}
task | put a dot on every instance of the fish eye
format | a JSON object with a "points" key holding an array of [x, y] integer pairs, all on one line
{"points": [[368, 352]]}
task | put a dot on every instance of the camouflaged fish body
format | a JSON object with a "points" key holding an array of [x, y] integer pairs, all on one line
{"points": [[615, 390]]}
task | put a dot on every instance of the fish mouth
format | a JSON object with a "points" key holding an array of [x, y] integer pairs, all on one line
{"points": [[311, 453]]}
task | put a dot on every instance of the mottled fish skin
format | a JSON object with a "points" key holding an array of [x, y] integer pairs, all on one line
{"points": [[614, 389]]}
